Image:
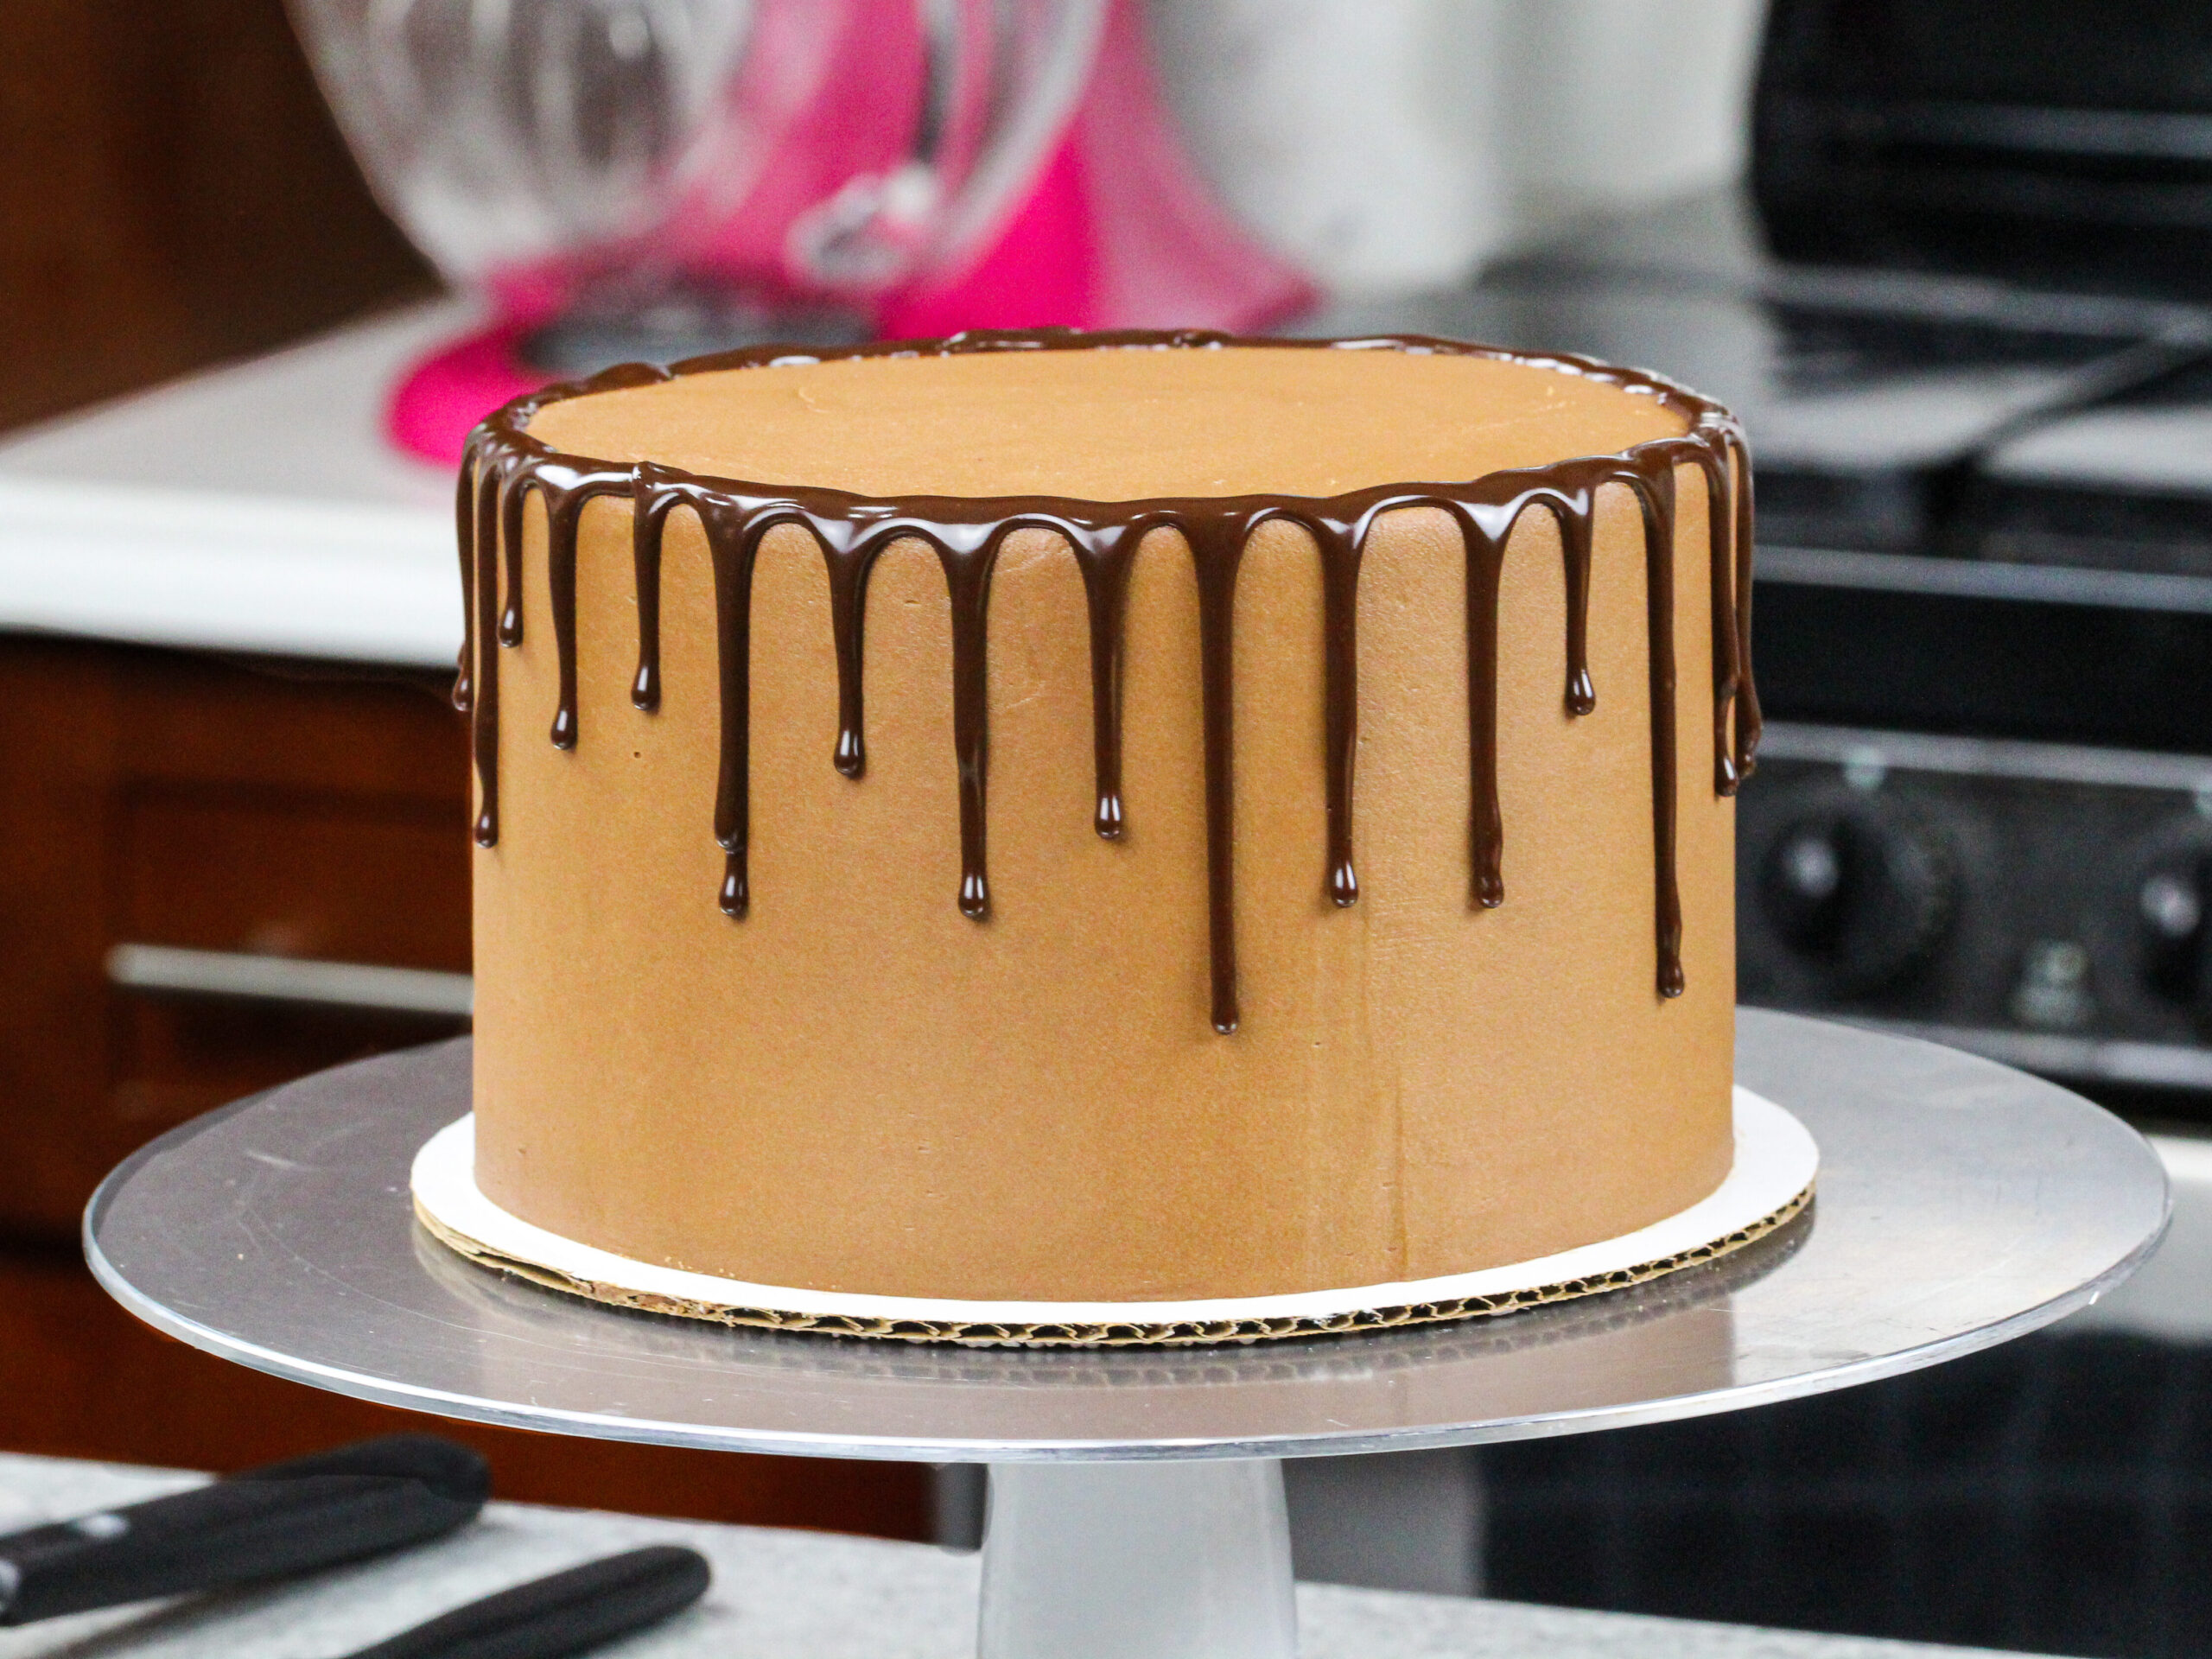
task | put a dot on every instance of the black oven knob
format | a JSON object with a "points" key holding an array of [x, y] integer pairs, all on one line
{"points": [[1859, 890], [2172, 895]]}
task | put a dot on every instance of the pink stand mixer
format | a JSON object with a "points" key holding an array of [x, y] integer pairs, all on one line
{"points": [[658, 179]]}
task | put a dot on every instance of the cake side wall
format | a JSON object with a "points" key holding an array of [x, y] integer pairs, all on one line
{"points": [[858, 1088]]}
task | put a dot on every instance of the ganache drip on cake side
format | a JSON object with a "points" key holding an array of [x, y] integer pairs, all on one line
{"points": [[504, 464]]}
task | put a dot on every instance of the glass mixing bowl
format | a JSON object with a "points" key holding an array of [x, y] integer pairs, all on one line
{"points": [[654, 178]]}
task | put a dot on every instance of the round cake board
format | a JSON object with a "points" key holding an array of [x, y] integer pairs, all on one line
{"points": [[1768, 1182]]}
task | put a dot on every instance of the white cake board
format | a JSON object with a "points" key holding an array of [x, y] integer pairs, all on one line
{"points": [[1769, 1181]]}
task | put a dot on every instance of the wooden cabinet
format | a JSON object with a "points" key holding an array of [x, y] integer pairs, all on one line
{"points": [[150, 797], [165, 799]]}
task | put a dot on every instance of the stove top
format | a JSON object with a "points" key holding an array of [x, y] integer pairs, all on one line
{"points": [[1982, 629], [1890, 410]]}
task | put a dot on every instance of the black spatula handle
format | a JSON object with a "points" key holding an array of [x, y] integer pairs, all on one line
{"points": [[267, 1523], [565, 1613]]}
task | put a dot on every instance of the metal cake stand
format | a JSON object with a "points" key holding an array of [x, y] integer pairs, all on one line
{"points": [[1136, 1494]]}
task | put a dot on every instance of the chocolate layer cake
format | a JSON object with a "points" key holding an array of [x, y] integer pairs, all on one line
{"points": [[1105, 818]]}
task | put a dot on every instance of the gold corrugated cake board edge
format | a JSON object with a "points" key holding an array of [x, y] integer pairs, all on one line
{"points": [[1113, 1334]]}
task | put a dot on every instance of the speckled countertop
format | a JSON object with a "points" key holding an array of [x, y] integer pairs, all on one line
{"points": [[777, 1595]]}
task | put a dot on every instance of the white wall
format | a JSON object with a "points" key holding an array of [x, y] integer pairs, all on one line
{"points": [[1627, 101], [1390, 145]]}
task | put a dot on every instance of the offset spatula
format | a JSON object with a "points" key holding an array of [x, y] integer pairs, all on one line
{"points": [[266, 1524], [562, 1614]]}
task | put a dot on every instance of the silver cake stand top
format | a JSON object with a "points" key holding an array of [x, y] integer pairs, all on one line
{"points": [[1959, 1203]]}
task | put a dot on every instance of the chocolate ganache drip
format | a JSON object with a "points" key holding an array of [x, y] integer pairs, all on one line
{"points": [[504, 464]]}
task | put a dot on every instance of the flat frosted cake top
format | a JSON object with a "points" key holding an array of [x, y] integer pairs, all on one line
{"points": [[1111, 424]]}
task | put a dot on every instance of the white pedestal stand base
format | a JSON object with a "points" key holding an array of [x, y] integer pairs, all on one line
{"points": [[1115, 1560]]}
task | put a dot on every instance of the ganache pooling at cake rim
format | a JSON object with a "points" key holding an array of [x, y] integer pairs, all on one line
{"points": [[504, 464]]}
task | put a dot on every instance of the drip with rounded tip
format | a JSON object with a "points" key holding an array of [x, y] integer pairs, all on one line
{"points": [[644, 558], [505, 485], [850, 757], [464, 512]]}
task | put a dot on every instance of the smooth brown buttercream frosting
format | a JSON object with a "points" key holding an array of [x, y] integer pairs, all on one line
{"points": [[997, 457], [1110, 425]]}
